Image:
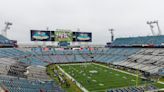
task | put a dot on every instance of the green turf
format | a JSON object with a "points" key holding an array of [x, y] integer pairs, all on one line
{"points": [[161, 79], [72, 88], [104, 79], [158, 85]]}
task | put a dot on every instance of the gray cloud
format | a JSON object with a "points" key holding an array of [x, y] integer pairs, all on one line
{"points": [[127, 17]]}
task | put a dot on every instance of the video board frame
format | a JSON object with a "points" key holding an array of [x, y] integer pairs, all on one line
{"points": [[82, 37], [60, 36], [63, 36], [40, 35]]}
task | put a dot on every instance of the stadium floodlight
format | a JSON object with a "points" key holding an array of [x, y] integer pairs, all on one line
{"points": [[78, 29], [112, 34], [150, 23], [47, 28], [4, 31], [8, 23], [151, 26], [159, 30]]}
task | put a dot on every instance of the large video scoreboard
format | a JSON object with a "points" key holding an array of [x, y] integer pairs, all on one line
{"points": [[61, 36], [39, 35], [82, 37]]}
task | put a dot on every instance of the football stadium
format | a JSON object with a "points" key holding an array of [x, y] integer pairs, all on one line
{"points": [[81, 46], [132, 64]]}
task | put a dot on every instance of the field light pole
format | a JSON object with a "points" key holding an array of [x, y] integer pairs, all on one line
{"points": [[151, 26], [150, 23], [159, 30], [112, 35], [4, 31]]}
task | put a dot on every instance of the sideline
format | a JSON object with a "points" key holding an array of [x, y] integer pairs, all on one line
{"points": [[77, 83], [123, 71], [161, 89], [160, 82]]}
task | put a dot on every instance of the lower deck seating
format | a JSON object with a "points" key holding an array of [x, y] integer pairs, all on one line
{"points": [[37, 72], [16, 84], [148, 60]]}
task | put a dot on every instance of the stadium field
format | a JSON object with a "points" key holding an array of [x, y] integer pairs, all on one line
{"points": [[96, 78]]}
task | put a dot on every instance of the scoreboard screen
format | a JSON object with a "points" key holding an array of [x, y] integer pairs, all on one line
{"points": [[38, 35], [63, 36], [82, 37]]}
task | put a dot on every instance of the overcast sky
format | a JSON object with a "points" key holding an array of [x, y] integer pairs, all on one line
{"points": [[127, 17]]}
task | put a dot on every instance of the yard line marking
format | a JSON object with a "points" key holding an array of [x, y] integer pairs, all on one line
{"points": [[124, 72], [117, 70], [77, 83]]}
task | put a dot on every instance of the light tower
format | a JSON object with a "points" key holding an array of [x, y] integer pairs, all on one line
{"points": [[159, 30], [78, 29], [151, 27], [4, 31], [150, 23], [112, 35]]}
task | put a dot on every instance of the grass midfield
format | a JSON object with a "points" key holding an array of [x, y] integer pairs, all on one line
{"points": [[97, 78]]}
